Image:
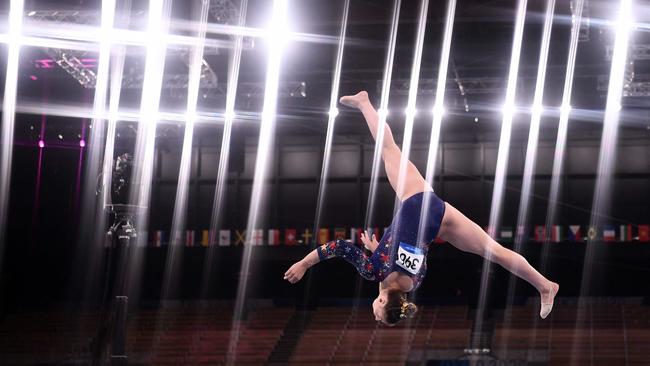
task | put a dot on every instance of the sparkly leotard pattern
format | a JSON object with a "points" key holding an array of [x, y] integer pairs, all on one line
{"points": [[399, 248]]}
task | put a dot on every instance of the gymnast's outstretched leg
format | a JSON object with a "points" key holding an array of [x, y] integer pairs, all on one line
{"points": [[465, 235], [412, 182]]}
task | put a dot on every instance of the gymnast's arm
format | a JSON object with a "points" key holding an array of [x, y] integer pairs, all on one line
{"points": [[298, 269], [337, 248]]}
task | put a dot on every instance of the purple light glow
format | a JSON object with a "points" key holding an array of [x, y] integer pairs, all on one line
{"points": [[41, 144], [82, 143], [33, 77]]}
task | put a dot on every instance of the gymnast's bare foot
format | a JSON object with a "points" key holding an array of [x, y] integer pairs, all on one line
{"points": [[356, 100], [547, 297]]}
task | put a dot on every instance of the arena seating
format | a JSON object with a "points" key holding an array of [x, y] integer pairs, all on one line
{"points": [[195, 336], [344, 336], [189, 334], [53, 336], [610, 334]]}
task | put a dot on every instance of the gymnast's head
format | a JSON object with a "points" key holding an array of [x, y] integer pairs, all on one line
{"points": [[391, 306]]}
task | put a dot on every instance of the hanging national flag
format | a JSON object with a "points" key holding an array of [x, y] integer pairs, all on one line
{"points": [[189, 238], [609, 233], [625, 233], [339, 233], [224, 238], [323, 235], [355, 235], [205, 238], [506, 234], [556, 234], [575, 233], [257, 237], [158, 238], [274, 237], [290, 237], [521, 233], [540, 233], [592, 233], [306, 237], [644, 233], [240, 237]]}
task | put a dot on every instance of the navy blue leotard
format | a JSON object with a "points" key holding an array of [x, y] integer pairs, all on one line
{"points": [[399, 248]]}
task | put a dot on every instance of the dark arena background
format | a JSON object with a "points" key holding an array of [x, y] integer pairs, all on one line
{"points": [[163, 163]]}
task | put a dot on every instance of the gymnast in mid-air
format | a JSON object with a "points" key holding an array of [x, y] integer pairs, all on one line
{"points": [[398, 260]]}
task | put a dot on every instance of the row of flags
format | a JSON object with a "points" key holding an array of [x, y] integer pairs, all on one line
{"points": [[291, 237], [580, 233]]}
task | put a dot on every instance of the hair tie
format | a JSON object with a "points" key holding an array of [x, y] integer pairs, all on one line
{"points": [[404, 308]]}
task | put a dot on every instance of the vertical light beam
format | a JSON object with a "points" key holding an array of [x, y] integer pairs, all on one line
{"points": [[9, 114], [146, 137], [180, 205], [565, 111], [502, 154], [531, 148], [606, 159], [224, 156], [535, 118], [92, 230], [607, 156], [383, 112], [411, 110], [277, 39], [333, 113], [438, 109]]}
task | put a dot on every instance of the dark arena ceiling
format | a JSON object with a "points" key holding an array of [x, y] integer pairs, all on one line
{"points": [[475, 85]]}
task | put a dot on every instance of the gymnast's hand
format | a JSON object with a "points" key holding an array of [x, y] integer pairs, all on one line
{"points": [[371, 245], [295, 273]]}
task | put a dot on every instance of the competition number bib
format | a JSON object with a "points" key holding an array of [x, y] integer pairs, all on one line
{"points": [[409, 257]]}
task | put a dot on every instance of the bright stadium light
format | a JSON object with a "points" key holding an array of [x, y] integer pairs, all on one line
{"points": [[508, 110], [565, 109], [439, 110], [229, 116], [410, 112]]}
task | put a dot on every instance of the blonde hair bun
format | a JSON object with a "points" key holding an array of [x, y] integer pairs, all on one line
{"points": [[408, 310]]}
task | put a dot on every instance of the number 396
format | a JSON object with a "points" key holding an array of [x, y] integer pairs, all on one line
{"points": [[408, 262]]}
